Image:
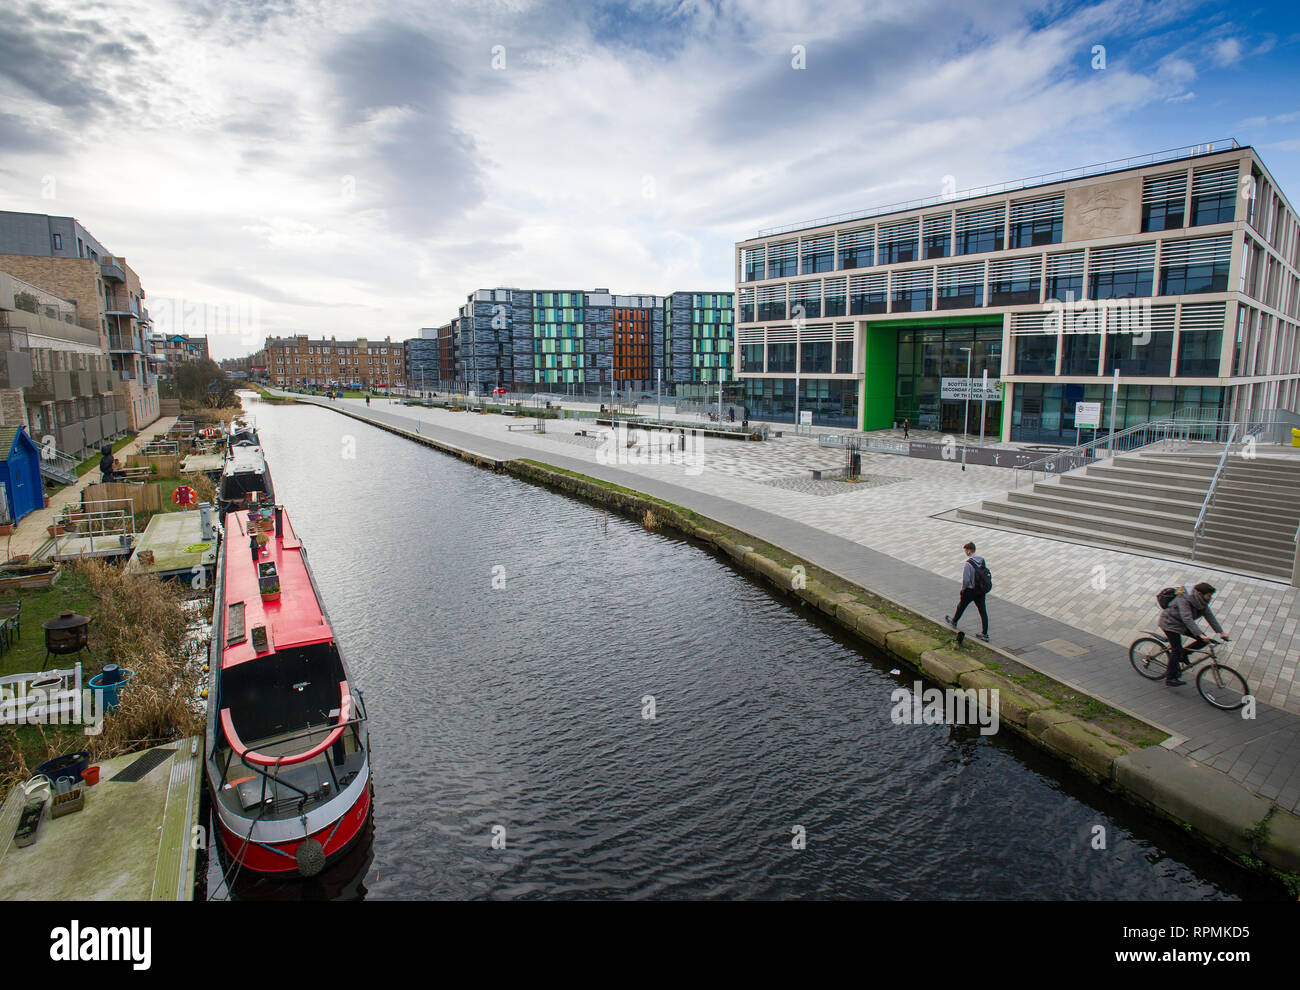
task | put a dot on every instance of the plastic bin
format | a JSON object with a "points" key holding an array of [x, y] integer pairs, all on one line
{"points": [[108, 694]]}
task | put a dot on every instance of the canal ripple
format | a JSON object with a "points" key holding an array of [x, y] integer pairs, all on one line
{"points": [[521, 708]]}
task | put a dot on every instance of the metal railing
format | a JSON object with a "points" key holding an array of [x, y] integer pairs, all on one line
{"points": [[1133, 161], [879, 445], [1209, 493]]}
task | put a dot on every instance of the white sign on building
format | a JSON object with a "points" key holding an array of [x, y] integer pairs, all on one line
{"points": [[970, 388]]}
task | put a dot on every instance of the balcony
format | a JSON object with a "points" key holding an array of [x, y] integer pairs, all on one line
{"points": [[112, 271], [51, 386], [83, 383], [15, 369], [125, 345]]}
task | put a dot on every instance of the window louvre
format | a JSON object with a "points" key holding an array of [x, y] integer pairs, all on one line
{"points": [[978, 220], [1052, 208], [1215, 181], [954, 276], [863, 284], [1122, 259], [1065, 265], [1034, 321], [1202, 316], [1197, 251], [1158, 188], [911, 281], [1014, 269]]}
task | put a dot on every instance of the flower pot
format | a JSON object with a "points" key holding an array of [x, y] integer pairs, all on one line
{"points": [[270, 596]]}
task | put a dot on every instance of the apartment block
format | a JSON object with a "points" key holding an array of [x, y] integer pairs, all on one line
{"points": [[582, 339], [1177, 270], [55, 379], [61, 256], [171, 351], [302, 361]]}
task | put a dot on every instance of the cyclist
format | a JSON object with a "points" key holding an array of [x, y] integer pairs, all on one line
{"points": [[1179, 620]]}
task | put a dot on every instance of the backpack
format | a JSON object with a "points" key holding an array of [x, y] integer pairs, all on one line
{"points": [[983, 577], [1165, 596]]}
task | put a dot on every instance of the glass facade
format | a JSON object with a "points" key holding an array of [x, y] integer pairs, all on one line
{"points": [[928, 355], [1045, 412], [833, 402]]}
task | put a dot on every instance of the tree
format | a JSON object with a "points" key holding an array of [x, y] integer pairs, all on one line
{"points": [[204, 383]]}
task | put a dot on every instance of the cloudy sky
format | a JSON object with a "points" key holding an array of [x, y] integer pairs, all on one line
{"points": [[356, 169]]}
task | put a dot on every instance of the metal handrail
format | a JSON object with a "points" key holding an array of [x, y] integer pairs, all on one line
{"points": [[1160, 431], [1209, 494]]}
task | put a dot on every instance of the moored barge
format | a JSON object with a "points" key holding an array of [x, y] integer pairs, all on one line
{"points": [[287, 762]]}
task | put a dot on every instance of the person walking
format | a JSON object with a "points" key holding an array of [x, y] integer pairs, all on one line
{"points": [[107, 464], [976, 583], [907, 423], [1179, 620]]}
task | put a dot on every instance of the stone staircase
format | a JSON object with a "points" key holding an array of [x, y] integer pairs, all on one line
{"points": [[1147, 503], [1251, 524]]}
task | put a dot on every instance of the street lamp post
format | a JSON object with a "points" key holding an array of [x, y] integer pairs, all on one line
{"points": [[965, 429], [984, 398]]}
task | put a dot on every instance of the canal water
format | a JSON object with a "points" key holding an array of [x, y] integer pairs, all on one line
{"points": [[510, 643]]}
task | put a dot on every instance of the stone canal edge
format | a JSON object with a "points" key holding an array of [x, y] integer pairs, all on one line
{"points": [[1224, 815]]}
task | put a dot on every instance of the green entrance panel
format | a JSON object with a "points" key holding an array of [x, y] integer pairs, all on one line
{"points": [[878, 382]]}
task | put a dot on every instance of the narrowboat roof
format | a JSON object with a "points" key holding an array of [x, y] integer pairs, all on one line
{"points": [[244, 460], [296, 619]]}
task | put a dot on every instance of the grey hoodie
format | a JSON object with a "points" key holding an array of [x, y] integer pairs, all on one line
{"points": [[968, 572], [1182, 613]]}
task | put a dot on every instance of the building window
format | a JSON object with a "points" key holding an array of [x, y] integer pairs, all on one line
{"points": [[936, 236], [1014, 281], [856, 247], [979, 231], [1122, 272], [1136, 356], [771, 302], [805, 300], [897, 242], [913, 291], [961, 287], [1198, 353], [782, 259], [58, 242], [1192, 266], [815, 357], [1065, 276], [835, 301], [1214, 196], [1035, 354], [1163, 199], [746, 305], [1037, 222], [780, 356], [868, 294], [817, 254], [1081, 354]]}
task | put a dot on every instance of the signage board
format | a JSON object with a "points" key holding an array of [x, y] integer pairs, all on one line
{"points": [[1087, 414], [805, 417], [971, 388]]}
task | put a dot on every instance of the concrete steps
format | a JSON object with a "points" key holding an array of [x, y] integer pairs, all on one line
{"points": [[1252, 522], [1148, 503]]}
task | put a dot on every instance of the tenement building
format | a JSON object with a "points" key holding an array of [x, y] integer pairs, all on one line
{"points": [[1177, 271], [300, 361]]}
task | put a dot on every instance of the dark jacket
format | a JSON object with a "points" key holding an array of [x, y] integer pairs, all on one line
{"points": [[106, 465], [1182, 613], [968, 572]]}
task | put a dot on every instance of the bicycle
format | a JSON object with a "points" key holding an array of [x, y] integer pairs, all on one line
{"points": [[1221, 686]]}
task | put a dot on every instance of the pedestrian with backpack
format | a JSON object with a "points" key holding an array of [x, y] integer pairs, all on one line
{"points": [[976, 583], [1178, 619]]}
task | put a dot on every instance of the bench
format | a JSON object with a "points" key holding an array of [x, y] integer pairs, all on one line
{"points": [[826, 473]]}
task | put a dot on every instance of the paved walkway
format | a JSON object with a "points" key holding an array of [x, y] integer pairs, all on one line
{"points": [[1069, 611], [32, 531]]}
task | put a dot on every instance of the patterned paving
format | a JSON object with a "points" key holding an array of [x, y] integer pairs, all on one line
{"points": [[1107, 593]]}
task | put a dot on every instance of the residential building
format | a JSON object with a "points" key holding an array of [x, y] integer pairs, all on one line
{"points": [[698, 337], [585, 340], [421, 358], [1178, 270], [55, 379], [61, 256], [301, 361], [172, 350]]}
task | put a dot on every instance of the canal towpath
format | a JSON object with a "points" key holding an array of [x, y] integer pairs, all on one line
{"points": [[1257, 761]]}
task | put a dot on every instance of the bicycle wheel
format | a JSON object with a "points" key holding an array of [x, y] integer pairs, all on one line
{"points": [[1149, 658], [1222, 687]]}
